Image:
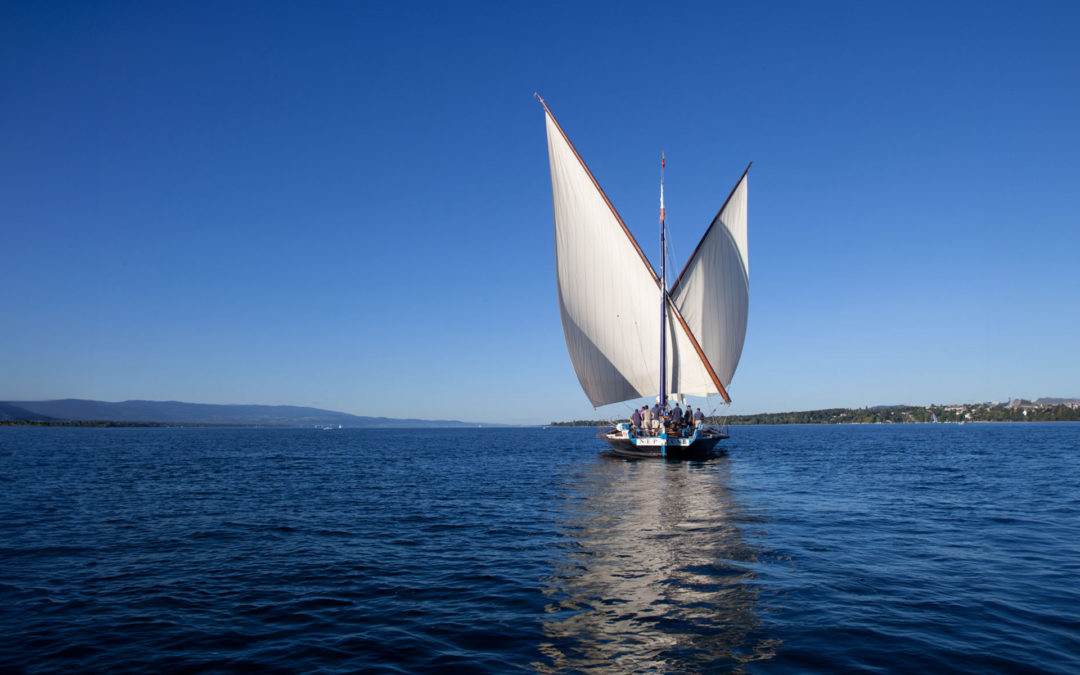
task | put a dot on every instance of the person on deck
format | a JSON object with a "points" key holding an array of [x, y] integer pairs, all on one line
{"points": [[676, 417], [646, 420], [698, 417], [688, 417], [635, 419]]}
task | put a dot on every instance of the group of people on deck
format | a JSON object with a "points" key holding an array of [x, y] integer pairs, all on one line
{"points": [[655, 420]]}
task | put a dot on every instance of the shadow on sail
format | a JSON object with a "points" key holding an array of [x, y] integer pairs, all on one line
{"points": [[653, 574]]}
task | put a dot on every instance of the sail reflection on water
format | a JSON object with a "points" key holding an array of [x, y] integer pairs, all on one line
{"points": [[653, 574]]}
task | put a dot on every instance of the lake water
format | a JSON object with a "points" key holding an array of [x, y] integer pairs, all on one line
{"points": [[907, 548]]}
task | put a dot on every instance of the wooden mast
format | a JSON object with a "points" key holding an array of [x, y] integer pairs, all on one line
{"points": [[663, 293]]}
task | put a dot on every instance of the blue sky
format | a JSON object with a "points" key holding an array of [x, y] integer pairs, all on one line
{"points": [[347, 205]]}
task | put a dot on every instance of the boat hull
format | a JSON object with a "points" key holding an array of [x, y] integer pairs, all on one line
{"points": [[702, 444]]}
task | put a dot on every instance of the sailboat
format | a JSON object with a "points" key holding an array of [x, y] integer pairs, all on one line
{"points": [[628, 333]]}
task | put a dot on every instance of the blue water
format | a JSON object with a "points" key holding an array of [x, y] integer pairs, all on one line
{"points": [[916, 548]]}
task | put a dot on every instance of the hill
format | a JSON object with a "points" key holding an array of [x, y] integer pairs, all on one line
{"points": [[13, 413], [176, 412]]}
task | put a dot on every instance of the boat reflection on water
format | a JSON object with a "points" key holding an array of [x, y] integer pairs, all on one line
{"points": [[653, 574]]}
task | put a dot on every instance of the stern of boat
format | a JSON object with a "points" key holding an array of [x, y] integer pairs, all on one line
{"points": [[699, 442]]}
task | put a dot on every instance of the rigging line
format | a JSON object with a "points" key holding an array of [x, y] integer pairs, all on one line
{"points": [[671, 252], [670, 244]]}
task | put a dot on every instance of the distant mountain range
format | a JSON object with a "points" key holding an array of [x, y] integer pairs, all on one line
{"points": [[176, 412]]}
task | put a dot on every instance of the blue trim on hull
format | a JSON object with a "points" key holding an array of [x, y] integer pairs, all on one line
{"points": [[700, 445]]}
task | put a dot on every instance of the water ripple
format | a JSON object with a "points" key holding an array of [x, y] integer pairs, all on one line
{"points": [[893, 549]]}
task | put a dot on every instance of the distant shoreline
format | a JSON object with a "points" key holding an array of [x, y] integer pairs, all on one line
{"points": [[1023, 411], [155, 414], [111, 423], [108, 424], [583, 423], [85, 412], [575, 424]]}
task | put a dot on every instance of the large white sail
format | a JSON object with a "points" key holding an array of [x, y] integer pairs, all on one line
{"points": [[609, 295], [712, 293]]}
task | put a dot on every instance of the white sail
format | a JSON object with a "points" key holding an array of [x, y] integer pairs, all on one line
{"points": [[609, 295], [712, 293], [686, 374]]}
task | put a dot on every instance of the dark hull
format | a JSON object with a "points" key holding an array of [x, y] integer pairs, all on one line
{"points": [[702, 448]]}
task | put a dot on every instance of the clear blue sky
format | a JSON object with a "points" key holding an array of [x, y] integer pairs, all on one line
{"points": [[347, 205]]}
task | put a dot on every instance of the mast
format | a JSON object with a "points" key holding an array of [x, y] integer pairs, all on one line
{"points": [[663, 294]]}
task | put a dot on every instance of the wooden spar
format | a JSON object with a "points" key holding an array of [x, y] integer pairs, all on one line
{"points": [[700, 352], [704, 236], [603, 194]]}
